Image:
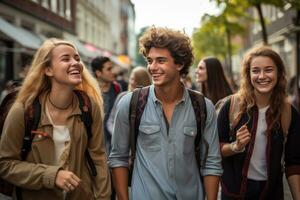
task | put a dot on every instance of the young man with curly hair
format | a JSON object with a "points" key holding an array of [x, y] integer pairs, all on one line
{"points": [[165, 164]]}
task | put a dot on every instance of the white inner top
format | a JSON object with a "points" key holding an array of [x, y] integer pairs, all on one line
{"points": [[61, 139], [258, 163]]}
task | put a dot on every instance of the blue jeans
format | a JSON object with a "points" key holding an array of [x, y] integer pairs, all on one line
{"points": [[253, 192]]}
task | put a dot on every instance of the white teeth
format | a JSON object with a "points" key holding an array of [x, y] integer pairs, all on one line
{"points": [[263, 83], [74, 72]]}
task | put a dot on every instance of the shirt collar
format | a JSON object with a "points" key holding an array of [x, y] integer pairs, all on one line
{"points": [[156, 100]]}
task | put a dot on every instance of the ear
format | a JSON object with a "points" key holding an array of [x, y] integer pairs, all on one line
{"points": [[98, 73], [48, 71], [179, 67]]}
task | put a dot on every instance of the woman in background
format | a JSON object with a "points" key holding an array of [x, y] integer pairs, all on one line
{"points": [[211, 77]]}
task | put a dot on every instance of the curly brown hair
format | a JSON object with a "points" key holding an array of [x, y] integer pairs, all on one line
{"points": [[178, 43], [246, 91]]}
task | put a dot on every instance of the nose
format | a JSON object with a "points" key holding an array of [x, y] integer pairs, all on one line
{"points": [[75, 63], [152, 66], [261, 74]]}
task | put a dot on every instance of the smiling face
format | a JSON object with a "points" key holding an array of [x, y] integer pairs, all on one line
{"points": [[201, 72], [65, 68], [162, 68], [106, 73], [263, 74]]}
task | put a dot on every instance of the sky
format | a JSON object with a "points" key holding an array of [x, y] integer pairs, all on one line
{"points": [[178, 14]]}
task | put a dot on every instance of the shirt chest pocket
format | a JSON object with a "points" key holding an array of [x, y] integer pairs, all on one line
{"points": [[149, 137], [189, 138]]}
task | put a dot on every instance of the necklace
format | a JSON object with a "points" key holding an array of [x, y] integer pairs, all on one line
{"points": [[60, 108]]}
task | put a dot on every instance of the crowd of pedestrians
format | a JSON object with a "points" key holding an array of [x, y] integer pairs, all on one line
{"points": [[75, 134]]}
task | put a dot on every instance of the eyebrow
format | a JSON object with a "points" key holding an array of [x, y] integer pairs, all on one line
{"points": [[68, 55], [64, 55], [156, 58], [268, 66]]}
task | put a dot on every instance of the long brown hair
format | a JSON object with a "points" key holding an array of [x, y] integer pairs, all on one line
{"points": [[246, 91], [216, 86]]}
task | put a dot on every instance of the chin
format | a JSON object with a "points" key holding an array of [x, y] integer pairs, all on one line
{"points": [[264, 91], [157, 84], [76, 82]]}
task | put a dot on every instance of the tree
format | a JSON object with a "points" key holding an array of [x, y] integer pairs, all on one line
{"points": [[257, 4], [209, 40], [220, 29]]}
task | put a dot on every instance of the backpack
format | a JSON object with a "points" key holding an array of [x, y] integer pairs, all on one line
{"points": [[32, 117], [285, 120], [137, 105], [117, 87]]}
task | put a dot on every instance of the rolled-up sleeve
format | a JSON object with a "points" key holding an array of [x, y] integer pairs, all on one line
{"points": [[212, 165], [120, 138]]}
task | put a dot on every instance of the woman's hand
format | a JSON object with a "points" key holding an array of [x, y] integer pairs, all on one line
{"points": [[242, 138], [67, 180]]}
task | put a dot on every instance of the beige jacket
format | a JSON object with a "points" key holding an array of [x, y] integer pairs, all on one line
{"points": [[36, 176]]}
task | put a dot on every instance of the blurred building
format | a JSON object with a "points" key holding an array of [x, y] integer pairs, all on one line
{"points": [[282, 26], [96, 27], [281, 29]]}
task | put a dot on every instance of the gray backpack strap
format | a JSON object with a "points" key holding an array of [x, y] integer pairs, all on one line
{"points": [[137, 105], [132, 119]]}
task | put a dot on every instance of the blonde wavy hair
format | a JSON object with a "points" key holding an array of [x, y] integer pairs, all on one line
{"points": [[141, 77], [246, 92], [36, 82]]}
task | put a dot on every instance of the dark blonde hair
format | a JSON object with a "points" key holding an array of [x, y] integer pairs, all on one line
{"points": [[36, 82], [246, 91], [178, 43], [141, 77]]}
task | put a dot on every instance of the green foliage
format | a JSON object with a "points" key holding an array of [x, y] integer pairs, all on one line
{"points": [[209, 40]]}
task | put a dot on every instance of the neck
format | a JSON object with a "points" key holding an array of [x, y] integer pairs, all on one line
{"points": [[169, 94], [262, 100], [60, 100], [104, 85]]}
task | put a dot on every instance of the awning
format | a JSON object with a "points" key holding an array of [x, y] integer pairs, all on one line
{"points": [[116, 60], [80, 46], [20, 35]]}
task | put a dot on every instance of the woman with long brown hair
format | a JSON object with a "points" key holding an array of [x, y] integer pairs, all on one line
{"points": [[211, 77], [253, 148]]}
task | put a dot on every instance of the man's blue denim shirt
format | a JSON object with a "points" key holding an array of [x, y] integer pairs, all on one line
{"points": [[165, 165]]}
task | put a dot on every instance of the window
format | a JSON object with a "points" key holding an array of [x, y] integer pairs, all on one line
{"points": [[54, 6]]}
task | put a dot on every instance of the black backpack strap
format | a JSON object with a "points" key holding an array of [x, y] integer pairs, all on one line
{"points": [[137, 105], [199, 105], [5, 106], [32, 117], [86, 117]]}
